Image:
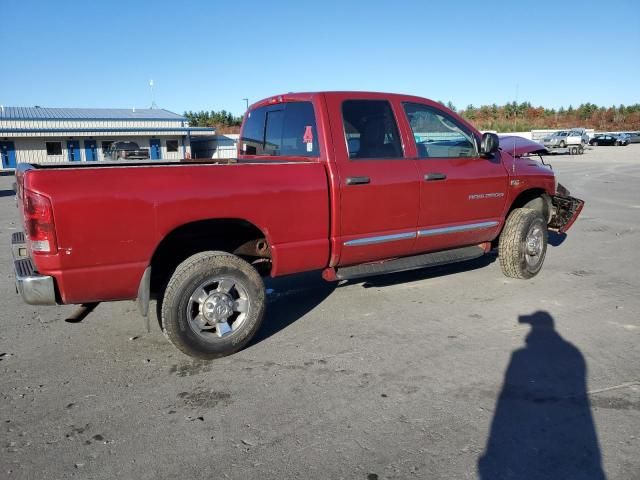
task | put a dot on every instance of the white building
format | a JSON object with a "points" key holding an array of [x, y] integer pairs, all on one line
{"points": [[50, 135]]}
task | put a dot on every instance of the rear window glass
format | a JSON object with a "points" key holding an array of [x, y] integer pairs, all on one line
{"points": [[285, 129]]}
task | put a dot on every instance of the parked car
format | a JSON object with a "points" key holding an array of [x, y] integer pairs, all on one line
{"points": [[564, 138], [608, 139], [127, 151], [633, 137], [303, 195], [582, 132]]}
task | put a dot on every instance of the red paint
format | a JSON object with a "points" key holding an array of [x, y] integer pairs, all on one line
{"points": [[109, 220]]}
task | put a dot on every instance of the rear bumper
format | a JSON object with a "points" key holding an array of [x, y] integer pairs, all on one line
{"points": [[35, 289]]}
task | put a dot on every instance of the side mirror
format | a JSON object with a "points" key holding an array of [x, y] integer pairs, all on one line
{"points": [[489, 144]]}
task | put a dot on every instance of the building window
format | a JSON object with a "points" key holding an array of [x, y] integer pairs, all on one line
{"points": [[172, 145], [54, 148], [106, 146]]}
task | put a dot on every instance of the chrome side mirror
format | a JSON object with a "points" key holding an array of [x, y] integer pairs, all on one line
{"points": [[489, 144]]}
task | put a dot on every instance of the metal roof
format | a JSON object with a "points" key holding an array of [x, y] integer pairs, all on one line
{"points": [[44, 113]]}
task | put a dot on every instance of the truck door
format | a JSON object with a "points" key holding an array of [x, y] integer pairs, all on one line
{"points": [[462, 195], [378, 182]]}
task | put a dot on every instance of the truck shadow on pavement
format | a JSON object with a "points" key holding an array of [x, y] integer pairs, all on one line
{"points": [[542, 426], [426, 273], [289, 299], [7, 193], [292, 297]]}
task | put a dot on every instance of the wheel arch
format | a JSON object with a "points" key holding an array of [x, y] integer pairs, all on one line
{"points": [[534, 198], [232, 235]]}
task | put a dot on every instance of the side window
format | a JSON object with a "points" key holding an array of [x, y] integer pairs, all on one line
{"points": [[106, 145], [53, 148], [370, 129], [286, 129], [172, 145], [438, 135]]}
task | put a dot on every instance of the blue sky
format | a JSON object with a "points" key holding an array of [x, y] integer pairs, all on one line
{"points": [[212, 54]]}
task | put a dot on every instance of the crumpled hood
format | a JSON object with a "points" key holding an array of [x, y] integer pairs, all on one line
{"points": [[519, 146]]}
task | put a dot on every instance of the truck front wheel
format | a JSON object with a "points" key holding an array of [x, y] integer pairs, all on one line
{"points": [[213, 305], [523, 243]]}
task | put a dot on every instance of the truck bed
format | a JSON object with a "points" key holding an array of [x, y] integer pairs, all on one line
{"points": [[111, 217]]}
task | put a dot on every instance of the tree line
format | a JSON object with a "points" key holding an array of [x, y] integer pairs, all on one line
{"points": [[524, 117], [222, 121], [502, 118]]}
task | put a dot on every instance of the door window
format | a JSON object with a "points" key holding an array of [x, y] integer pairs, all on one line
{"points": [[370, 129], [438, 135]]}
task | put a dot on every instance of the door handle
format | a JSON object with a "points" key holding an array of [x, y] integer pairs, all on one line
{"points": [[430, 177], [358, 180]]}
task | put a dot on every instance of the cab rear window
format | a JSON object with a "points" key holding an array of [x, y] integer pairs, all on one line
{"points": [[285, 129]]}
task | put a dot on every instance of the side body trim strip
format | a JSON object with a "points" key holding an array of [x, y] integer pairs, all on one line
{"points": [[379, 239], [358, 242], [458, 228]]}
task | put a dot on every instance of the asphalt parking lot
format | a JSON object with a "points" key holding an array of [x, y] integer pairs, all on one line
{"points": [[450, 373]]}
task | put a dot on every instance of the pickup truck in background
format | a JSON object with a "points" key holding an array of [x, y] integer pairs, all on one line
{"points": [[127, 151], [351, 183]]}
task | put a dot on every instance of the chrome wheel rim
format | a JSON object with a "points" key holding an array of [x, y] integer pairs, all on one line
{"points": [[533, 245], [218, 307]]}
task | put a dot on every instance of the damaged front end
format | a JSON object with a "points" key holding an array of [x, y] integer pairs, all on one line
{"points": [[565, 210]]}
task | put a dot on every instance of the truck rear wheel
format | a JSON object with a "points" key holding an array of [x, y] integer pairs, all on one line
{"points": [[523, 243], [213, 305]]}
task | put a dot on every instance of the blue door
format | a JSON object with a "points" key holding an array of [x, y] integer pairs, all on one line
{"points": [[73, 150], [155, 151], [8, 154], [90, 152]]}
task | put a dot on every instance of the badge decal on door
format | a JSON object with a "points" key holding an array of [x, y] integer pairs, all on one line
{"points": [[483, 196]]}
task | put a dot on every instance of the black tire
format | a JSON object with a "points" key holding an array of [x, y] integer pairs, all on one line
{"points": [[518, 259], [574, 150], [181, 312], [595, 144], [562, 144], [580, 150]]}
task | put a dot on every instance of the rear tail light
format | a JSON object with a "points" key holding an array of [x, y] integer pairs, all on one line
{"points": [[38, 222]]}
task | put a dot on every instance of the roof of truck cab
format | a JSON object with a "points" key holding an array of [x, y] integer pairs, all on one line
{"points": [[284, 97]]}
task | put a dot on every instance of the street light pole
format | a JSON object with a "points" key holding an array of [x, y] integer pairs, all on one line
{"points": [[246, 101]]}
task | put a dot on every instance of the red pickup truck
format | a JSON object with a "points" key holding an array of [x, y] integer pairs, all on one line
{"points": [[351, 183]]}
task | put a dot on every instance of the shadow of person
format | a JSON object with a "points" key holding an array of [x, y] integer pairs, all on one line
{"points": [[542, 427]]}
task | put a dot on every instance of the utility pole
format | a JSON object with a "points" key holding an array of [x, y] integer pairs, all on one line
{"points": [[246, 102], [153, 102]]}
